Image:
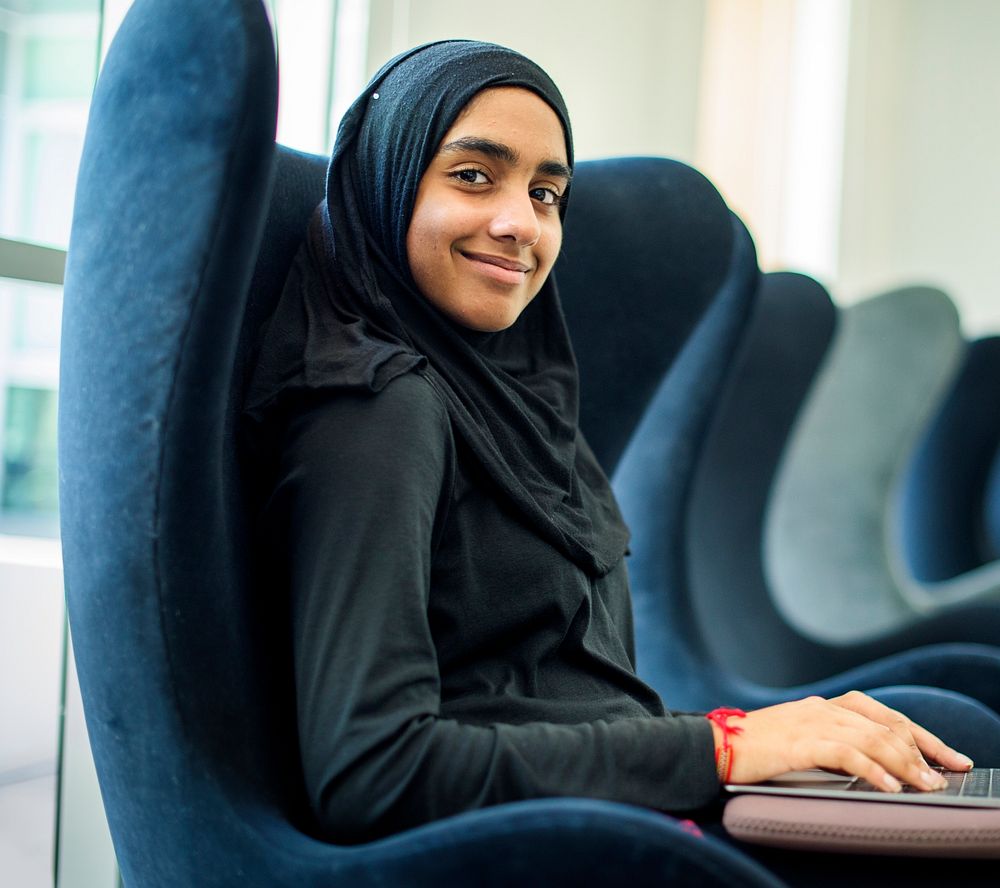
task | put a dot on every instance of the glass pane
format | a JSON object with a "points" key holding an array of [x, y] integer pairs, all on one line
{"points": [[305, 32], [39, 6], [58, 67], [34, 331], [50, 161], [48, 56], [28, 495], [4, 123], [29, 369], [322, 59], [48, 60], [3, 61]]}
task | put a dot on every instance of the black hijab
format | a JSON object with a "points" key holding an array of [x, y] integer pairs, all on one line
{"points": [[351, 317]]}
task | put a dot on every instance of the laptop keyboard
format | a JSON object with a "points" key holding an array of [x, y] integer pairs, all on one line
{"points": [[983, 783], [978, 783]]}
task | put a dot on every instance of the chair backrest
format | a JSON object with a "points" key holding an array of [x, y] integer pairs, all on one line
{"points": [[940, 517], [181, 654], [652, 483], [825, 536], [786, 339], [941, 522], [173, 186], [991, 509], [646, 249]]}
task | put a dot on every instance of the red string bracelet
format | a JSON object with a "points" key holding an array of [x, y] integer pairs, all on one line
{"points": [[724, 754]]}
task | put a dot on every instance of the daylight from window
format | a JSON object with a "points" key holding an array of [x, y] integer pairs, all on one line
{"points": [[50, 51]]}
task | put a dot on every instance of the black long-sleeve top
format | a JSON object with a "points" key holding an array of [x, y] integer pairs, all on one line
{"points": [[446, 657]]}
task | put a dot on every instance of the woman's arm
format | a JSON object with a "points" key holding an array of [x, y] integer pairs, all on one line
{"points": [[358, 506]]}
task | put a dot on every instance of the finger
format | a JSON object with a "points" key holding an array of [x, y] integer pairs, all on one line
{"points": [[896, 754], [871, 708], [884, 724], [878, 712], [902, 727], [880, 744], [839, 756], [929, 745], [937, 750]]}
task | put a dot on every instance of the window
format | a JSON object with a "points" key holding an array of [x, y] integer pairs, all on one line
{"points": [[322, 60], [49, 54], [29, 458], [48, 59]]}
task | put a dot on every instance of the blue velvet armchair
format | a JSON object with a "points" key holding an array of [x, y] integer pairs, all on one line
{"points": [[945, 515], [185, 221]]}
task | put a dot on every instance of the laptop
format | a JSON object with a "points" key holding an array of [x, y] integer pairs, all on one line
{"points": [[978, 788]]}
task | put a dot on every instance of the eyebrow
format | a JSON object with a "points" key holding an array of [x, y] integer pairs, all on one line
{"points": [[506, 154]]}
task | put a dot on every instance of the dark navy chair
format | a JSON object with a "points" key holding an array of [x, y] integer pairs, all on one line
{"points": [[946, 536], [694, 484], [185, 222]]}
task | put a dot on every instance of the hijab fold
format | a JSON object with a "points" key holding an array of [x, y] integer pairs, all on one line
{"points": [[351, 317]]}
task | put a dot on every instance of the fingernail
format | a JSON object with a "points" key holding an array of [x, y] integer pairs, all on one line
{"points": [[892, 784], [933, 781], [965, 760]]}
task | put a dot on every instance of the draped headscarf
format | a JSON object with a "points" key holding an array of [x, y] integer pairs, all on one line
{"points": [[351, 317]]}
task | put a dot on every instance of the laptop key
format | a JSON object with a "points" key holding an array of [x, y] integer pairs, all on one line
{"points": [[976, 785]]}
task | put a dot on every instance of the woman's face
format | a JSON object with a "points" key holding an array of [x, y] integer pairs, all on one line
{"points": [[485, 229]]}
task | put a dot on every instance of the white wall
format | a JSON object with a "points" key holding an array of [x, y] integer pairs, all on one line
{"points": [[31, 639], [629, 70], [921, 175]]}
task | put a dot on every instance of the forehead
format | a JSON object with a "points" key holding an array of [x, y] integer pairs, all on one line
{"points": [[512, 116]]}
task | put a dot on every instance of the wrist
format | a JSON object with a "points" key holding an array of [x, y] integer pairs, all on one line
{"points": [[722, 733]]}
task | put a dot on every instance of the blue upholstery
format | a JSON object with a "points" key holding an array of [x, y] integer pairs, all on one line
{"points": [[652, 481], [674, 263], [991, 509], [694, 484], [782, 349], [944, 533], [182, 660]]}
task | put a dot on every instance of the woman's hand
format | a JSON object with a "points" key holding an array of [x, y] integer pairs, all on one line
{"points": [[854, 734]]}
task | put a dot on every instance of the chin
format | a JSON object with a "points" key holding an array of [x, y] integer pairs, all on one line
{"points": [[492, 326], [488, 322], [489, 325]]}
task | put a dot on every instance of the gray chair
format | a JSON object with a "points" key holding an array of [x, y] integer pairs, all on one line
{"points": [[826, 548]]}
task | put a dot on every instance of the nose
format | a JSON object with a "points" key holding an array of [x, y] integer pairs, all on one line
{"points": [[514, 219]]}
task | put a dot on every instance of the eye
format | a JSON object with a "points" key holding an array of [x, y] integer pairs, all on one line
{"points": [[471, 176], [548, 196]]}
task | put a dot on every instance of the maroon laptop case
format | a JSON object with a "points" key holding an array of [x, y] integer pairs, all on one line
{"points": [[863, 827]]}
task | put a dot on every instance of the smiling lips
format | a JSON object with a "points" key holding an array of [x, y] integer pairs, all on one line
{"points": [[504, 271]]}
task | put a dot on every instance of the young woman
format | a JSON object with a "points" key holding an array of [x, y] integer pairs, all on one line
{"points": [[454, 554]]}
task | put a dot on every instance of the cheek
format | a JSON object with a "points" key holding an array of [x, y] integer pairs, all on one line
{"points": [[426, 245], [549, 246], [432, 227]]}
